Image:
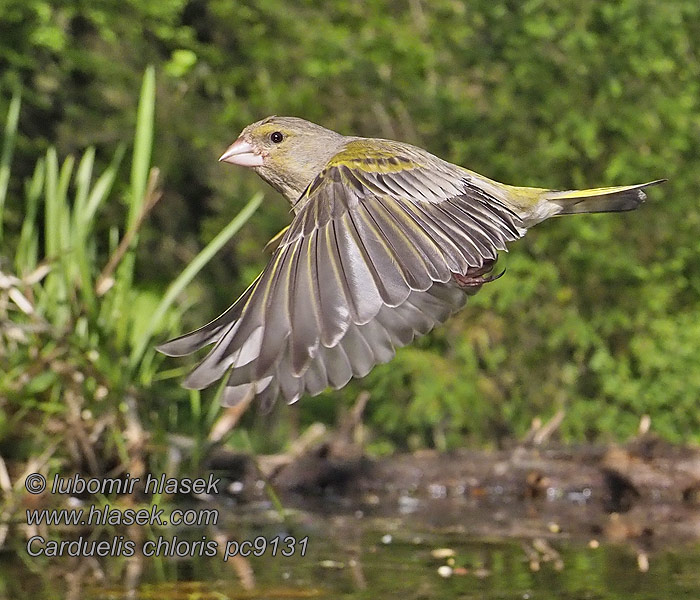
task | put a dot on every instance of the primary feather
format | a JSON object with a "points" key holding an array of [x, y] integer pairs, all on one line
{"points": [[387, 242]]}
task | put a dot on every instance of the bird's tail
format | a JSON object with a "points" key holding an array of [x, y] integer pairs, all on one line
{"points": [[607, 199]]}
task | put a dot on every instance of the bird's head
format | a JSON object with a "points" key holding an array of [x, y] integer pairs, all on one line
{"points": [[287, 152]]}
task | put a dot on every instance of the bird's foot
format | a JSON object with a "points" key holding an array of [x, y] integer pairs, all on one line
{"points": [[476, 277]]}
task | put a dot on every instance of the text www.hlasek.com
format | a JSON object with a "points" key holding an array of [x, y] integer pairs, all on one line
{"points": [[107, 515], [153, 516]]}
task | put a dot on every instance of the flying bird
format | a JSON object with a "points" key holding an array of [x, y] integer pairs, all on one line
{"points": [[387, 241]]}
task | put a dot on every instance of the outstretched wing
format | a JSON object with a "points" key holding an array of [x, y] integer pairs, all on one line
{"points": [[367, 264]]}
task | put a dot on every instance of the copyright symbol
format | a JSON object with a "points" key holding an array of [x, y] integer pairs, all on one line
{"points": [[35, 483]]}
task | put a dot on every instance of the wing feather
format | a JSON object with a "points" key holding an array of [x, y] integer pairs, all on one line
{"points": [[421, 239], [383, 263], [304, 306], [209, 333], [409, 258], [425, 238], [366, 299], [456, 262], [315, 377], [358, 351], [277, 312], [335, 297], [485, 243], [291, 385], [378, 340], [338, 368], [393, 320]]}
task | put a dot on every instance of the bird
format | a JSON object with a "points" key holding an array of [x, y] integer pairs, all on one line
{"points": [[387, 241]]}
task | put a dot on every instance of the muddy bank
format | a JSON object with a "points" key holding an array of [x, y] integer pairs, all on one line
{"points": [[647, 491]]}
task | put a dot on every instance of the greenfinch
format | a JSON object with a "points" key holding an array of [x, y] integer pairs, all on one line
{"points": [[387, 241]]}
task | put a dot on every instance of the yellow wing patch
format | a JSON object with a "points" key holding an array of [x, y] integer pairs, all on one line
{"points": [[373, 158]]}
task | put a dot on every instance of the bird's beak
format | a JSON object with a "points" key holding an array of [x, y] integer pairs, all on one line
{"points": [[243, 154]]}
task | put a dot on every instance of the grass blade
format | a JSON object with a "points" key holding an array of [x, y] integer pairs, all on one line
{"points": [[8, 147], [27, 248], [83, 178], [51, 232], [103, 186], [64, 224], [143, 143], [80, 227]]}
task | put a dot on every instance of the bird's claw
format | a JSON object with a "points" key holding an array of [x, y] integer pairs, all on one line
{"points": [[476, 278]]}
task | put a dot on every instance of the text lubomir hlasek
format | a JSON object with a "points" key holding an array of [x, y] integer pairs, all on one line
{"points": [[126, 484]]}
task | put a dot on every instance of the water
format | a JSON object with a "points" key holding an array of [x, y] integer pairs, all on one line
{"points": [[354, 554]]}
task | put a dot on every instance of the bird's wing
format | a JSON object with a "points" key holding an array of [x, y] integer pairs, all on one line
{"points": [[366, 265]]}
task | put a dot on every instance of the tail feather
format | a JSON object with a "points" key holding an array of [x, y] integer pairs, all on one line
{"points": [[607, 199]]}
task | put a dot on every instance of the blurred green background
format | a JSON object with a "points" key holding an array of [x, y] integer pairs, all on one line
{"points": [[597, 315]]}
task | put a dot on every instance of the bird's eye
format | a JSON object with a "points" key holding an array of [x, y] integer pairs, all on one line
{"points": [[276, 137]]}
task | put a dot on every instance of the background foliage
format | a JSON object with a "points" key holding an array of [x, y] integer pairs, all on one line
{"points": [[596, 314]]}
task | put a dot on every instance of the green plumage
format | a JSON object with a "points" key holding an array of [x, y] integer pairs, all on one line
{"points": [[387, 241]]}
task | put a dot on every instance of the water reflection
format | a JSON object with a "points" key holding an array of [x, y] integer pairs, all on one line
{"points": [[358, 555]]}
